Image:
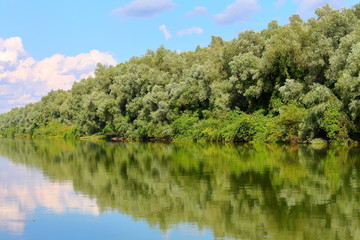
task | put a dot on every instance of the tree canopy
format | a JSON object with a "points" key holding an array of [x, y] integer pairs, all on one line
{"points": [[294, 82]]}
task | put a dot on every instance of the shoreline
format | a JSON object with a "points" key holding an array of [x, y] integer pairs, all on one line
{"points": [[314, 142]]}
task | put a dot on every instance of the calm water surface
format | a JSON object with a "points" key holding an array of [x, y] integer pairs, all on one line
{"points": [[86, 190]]}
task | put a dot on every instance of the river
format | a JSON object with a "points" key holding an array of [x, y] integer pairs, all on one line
{"points": [[102, 190]]}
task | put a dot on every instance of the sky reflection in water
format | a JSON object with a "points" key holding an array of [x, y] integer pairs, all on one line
{"points": [[33, 206], [85, 190]]}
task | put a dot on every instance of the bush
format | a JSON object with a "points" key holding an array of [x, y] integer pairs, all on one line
{"points": [[232, 127], [286, 126], [207, 130], [240, 128], [52, 129], [163, 131], [335, 124], [183, 126], [72, 133]]}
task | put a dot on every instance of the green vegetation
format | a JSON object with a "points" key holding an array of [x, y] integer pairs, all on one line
{"points": [[295, 83], [237, 191]]}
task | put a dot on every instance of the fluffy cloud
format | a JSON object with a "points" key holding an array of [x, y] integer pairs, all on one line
{"points": [[239, 11], [11, 50], [24, 99], [165, 31], [144, 8], [307, 7], [58, 71], [190, 31], [24, 80], [197, 11]]}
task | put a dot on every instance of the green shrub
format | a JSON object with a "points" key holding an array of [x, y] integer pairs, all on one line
{"points": [[163, 131], [9, 132], [233, 127], [240, 128], [53, 129], [72, 133], [335, 124], [183, 126], [286, 126], [207, 130]]}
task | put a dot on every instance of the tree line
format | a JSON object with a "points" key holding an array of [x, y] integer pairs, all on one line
{"points": [[295, 82]]}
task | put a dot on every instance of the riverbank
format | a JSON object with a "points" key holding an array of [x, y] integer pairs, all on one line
{"points": [[315, 142]]}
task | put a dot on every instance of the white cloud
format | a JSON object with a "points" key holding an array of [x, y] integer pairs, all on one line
{"points": [[24, 80], [11, 50], [144, 8], [165, 31], [58, 71], [307, 7], [24, 99], [190, 31], [239, 11], [197, 11]]}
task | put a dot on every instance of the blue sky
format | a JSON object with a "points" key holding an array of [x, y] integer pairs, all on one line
{"points": [[48, 45]]}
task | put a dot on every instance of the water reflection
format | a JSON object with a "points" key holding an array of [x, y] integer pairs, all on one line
{"points": [[23, 190], [240, 192]]}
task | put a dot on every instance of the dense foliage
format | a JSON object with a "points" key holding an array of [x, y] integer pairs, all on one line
{"points": [[294, 82], [236, 191]]}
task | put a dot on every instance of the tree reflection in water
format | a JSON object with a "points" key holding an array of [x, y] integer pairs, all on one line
{"points": [[237, 191]]}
